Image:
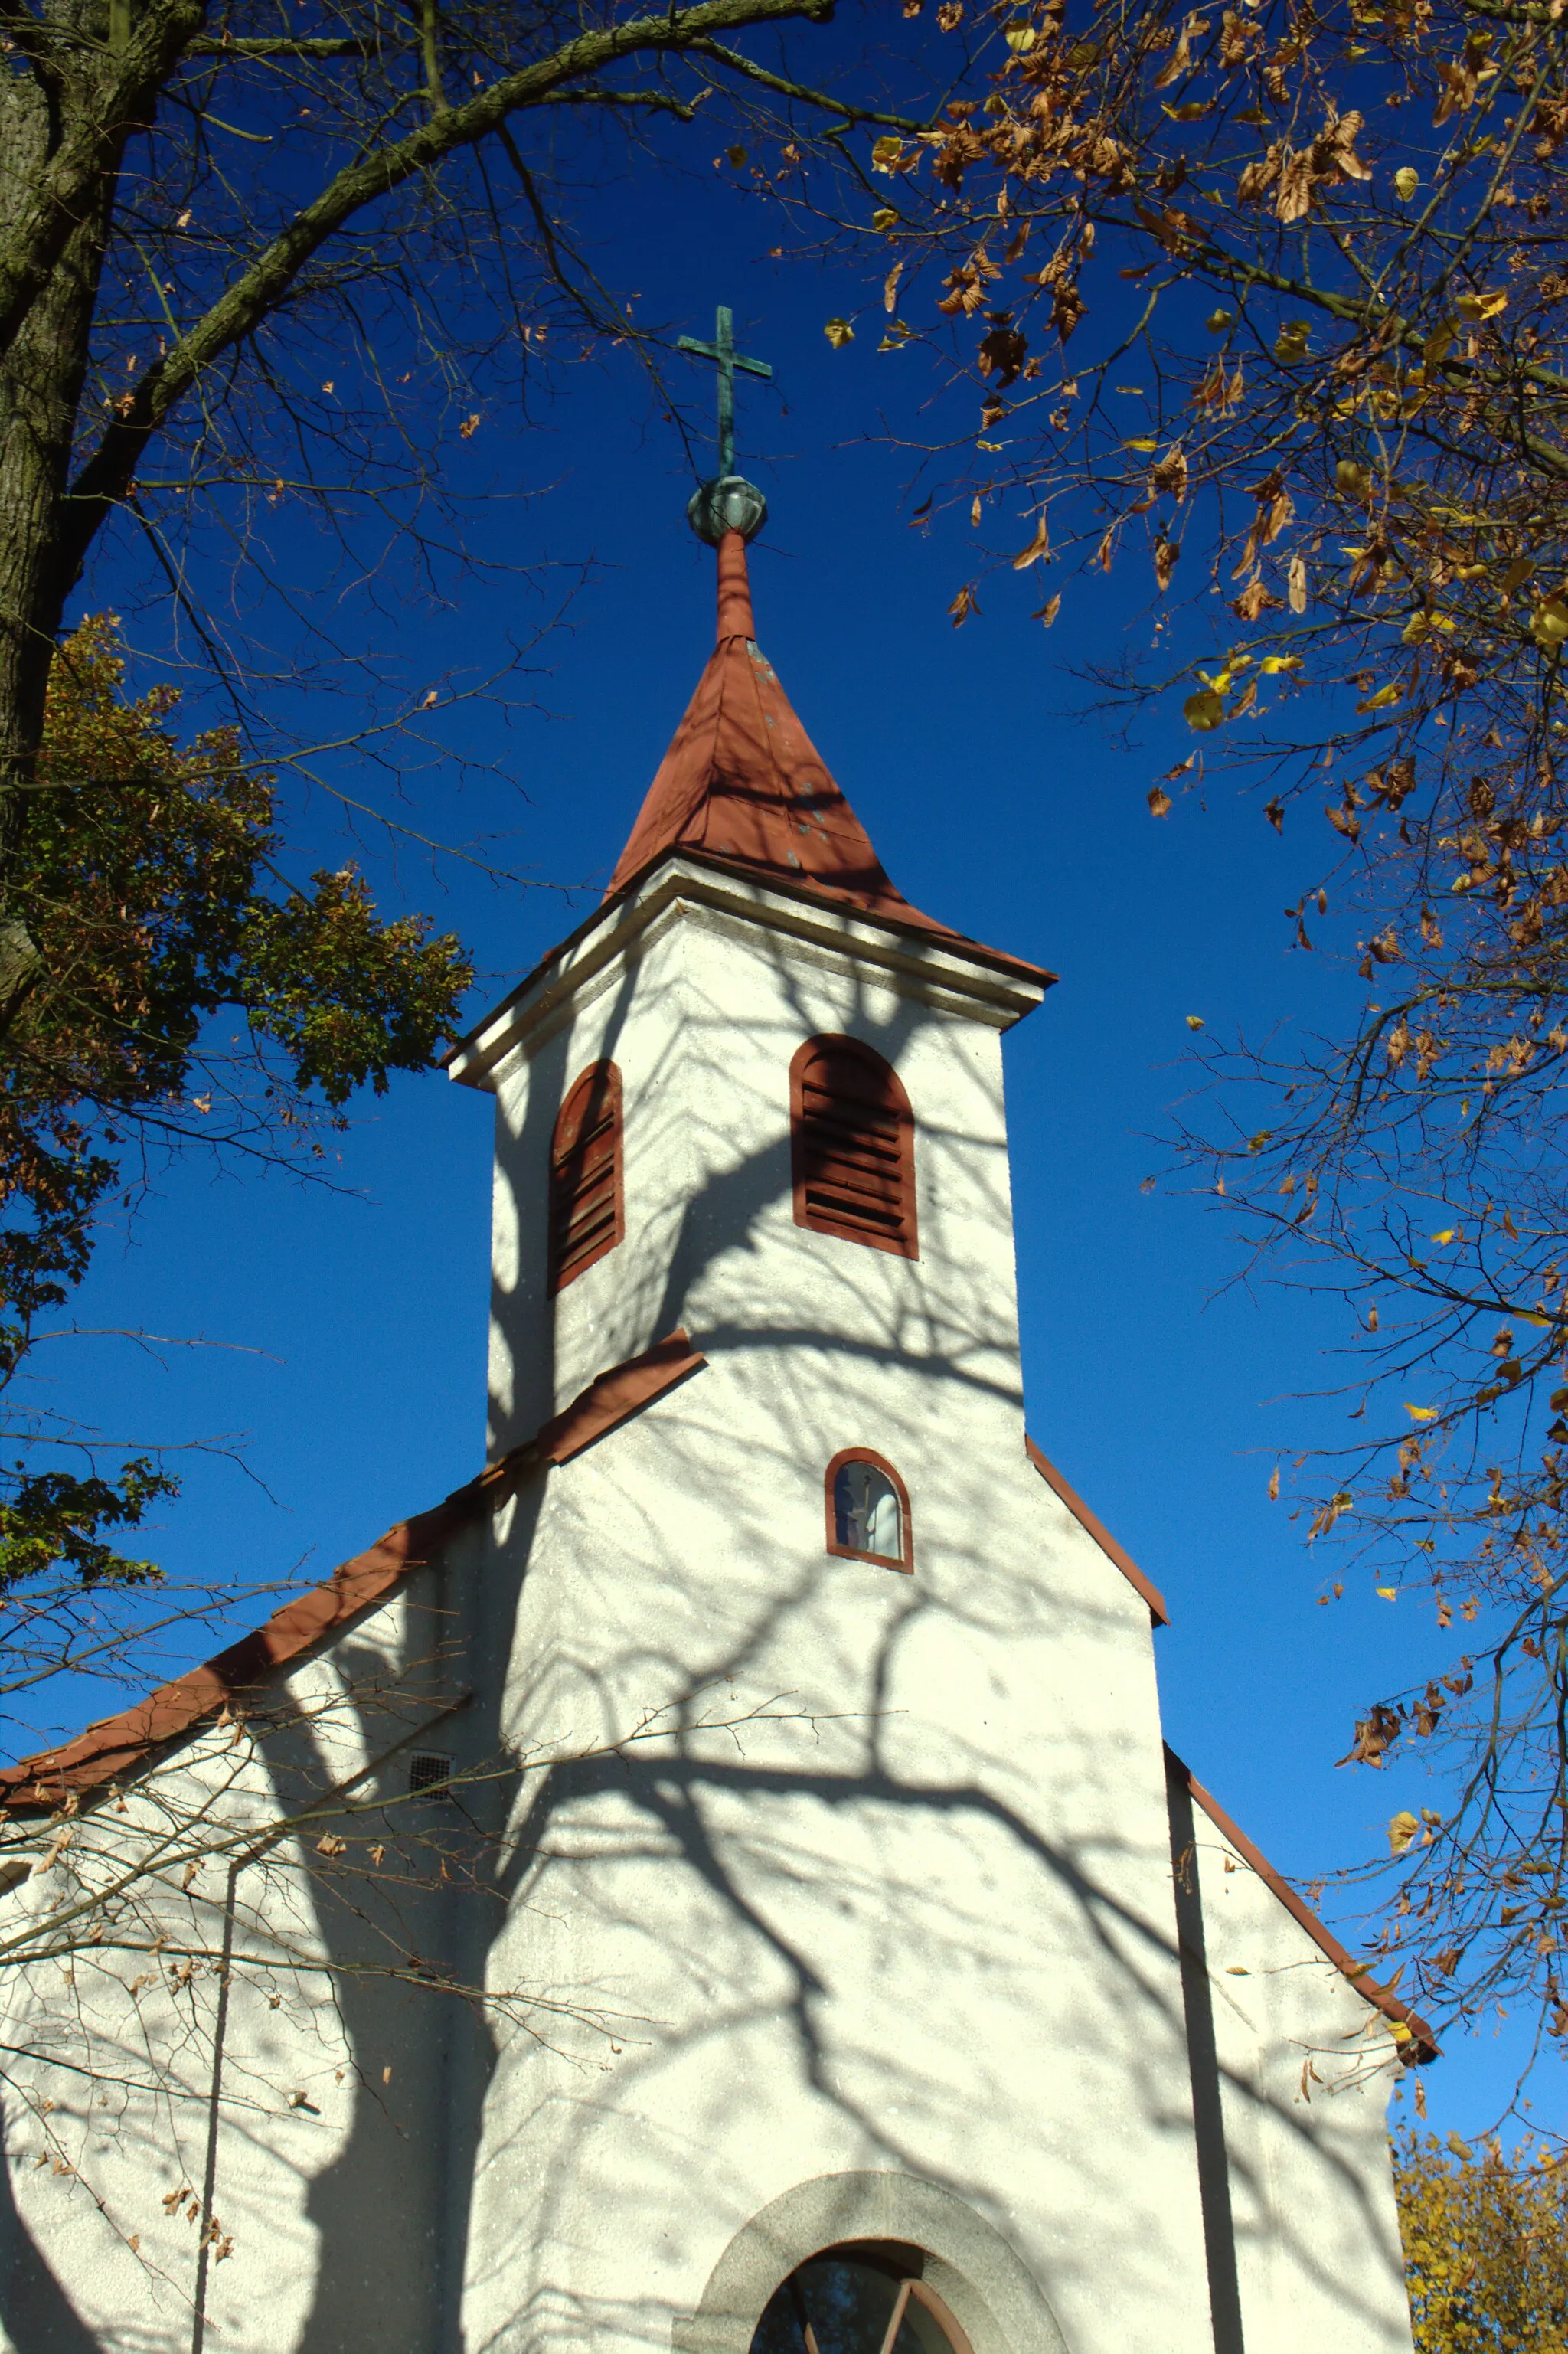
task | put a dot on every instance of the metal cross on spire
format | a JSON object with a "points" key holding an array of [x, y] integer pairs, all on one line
{"points": [[723, 353]]}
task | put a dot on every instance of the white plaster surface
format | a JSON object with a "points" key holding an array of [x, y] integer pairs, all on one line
{"points": [[816, 1899]]}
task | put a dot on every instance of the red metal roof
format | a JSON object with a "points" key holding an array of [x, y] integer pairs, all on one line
{"points": [[743, 782], [1110, 1545], [118, 1744]]}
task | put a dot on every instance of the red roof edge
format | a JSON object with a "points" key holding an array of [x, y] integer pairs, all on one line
{"points": [[118, 1744], [1101, 1534], [1415, 2039]]}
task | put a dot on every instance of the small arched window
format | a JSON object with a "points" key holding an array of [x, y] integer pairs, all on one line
{"points": [[868, 1511], [587, 1214], [852, 1143]]}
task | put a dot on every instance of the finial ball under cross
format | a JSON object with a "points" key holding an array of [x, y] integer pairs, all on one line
{"points": [[729, 503]]}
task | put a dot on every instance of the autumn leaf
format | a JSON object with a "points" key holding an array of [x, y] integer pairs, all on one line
{"points": [[1403, 1828], [1274, 1484], [1159, 801], [1422, 1413], [1481, 306], [1549, 624], [885, 154], [1195, 1021], [1049, 611], [1039, 545], [1406, 180], [839, 332], [1381, 699], [963, 605], [1204, 710]]}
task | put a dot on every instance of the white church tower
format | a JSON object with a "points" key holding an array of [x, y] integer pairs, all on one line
{"points": [[889, 1989]]}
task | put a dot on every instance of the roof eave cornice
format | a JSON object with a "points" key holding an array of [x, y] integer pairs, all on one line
{"points": [[1000, 987]]}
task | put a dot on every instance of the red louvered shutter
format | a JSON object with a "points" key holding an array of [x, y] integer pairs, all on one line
{"points": [[587, 1214], [854, 1146]]}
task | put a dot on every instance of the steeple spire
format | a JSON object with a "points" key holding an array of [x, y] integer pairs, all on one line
{"points": [[743, 782]]}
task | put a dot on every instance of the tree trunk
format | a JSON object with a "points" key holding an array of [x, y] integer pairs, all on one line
{"points": [[40, 393]]}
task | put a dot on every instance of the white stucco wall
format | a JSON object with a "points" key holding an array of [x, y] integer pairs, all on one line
{"points": [[911, 1911], [1300, 2067], [327, 2175], [813, 1901]]}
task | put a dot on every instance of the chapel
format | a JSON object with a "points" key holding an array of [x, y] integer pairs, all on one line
{"points": [[715, 1883]]}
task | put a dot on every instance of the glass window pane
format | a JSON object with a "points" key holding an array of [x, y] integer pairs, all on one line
{"points": [[848, 2303], [919, 2331], [867, 1516], [883, 1534]]}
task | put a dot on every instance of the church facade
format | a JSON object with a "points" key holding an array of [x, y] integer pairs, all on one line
{"points": [[716, 1883]]}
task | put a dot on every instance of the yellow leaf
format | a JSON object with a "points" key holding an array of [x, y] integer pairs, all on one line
{"points": [[1406, 180], [1549, 623], [1421, 1413], [1404, 1828], [1204, 710], [1272, 665], [1195, 1021], [1143, 442], [1389, 1594], [1447, 1235], [1481, 306], [1192, 110], [1049, 611], [1381, 699], [839, 332], [884, 219], [885, 154]]}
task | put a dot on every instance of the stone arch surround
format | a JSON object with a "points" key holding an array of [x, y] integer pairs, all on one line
{"points": [[990, 2293]]}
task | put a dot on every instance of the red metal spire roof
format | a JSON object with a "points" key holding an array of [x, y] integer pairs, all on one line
{"points": [[743, 781]]}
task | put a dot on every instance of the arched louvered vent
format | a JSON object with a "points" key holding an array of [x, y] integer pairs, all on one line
{"points": [[854, 1146], [587, 1214]]}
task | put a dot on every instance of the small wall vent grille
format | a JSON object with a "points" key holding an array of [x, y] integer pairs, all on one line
{"points": [[428, 1771]]}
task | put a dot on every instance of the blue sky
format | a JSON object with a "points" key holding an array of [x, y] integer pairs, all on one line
{"points": [[355, 1322]]}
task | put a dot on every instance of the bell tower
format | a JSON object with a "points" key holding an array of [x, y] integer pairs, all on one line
{"points": [[856, 1925]]}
